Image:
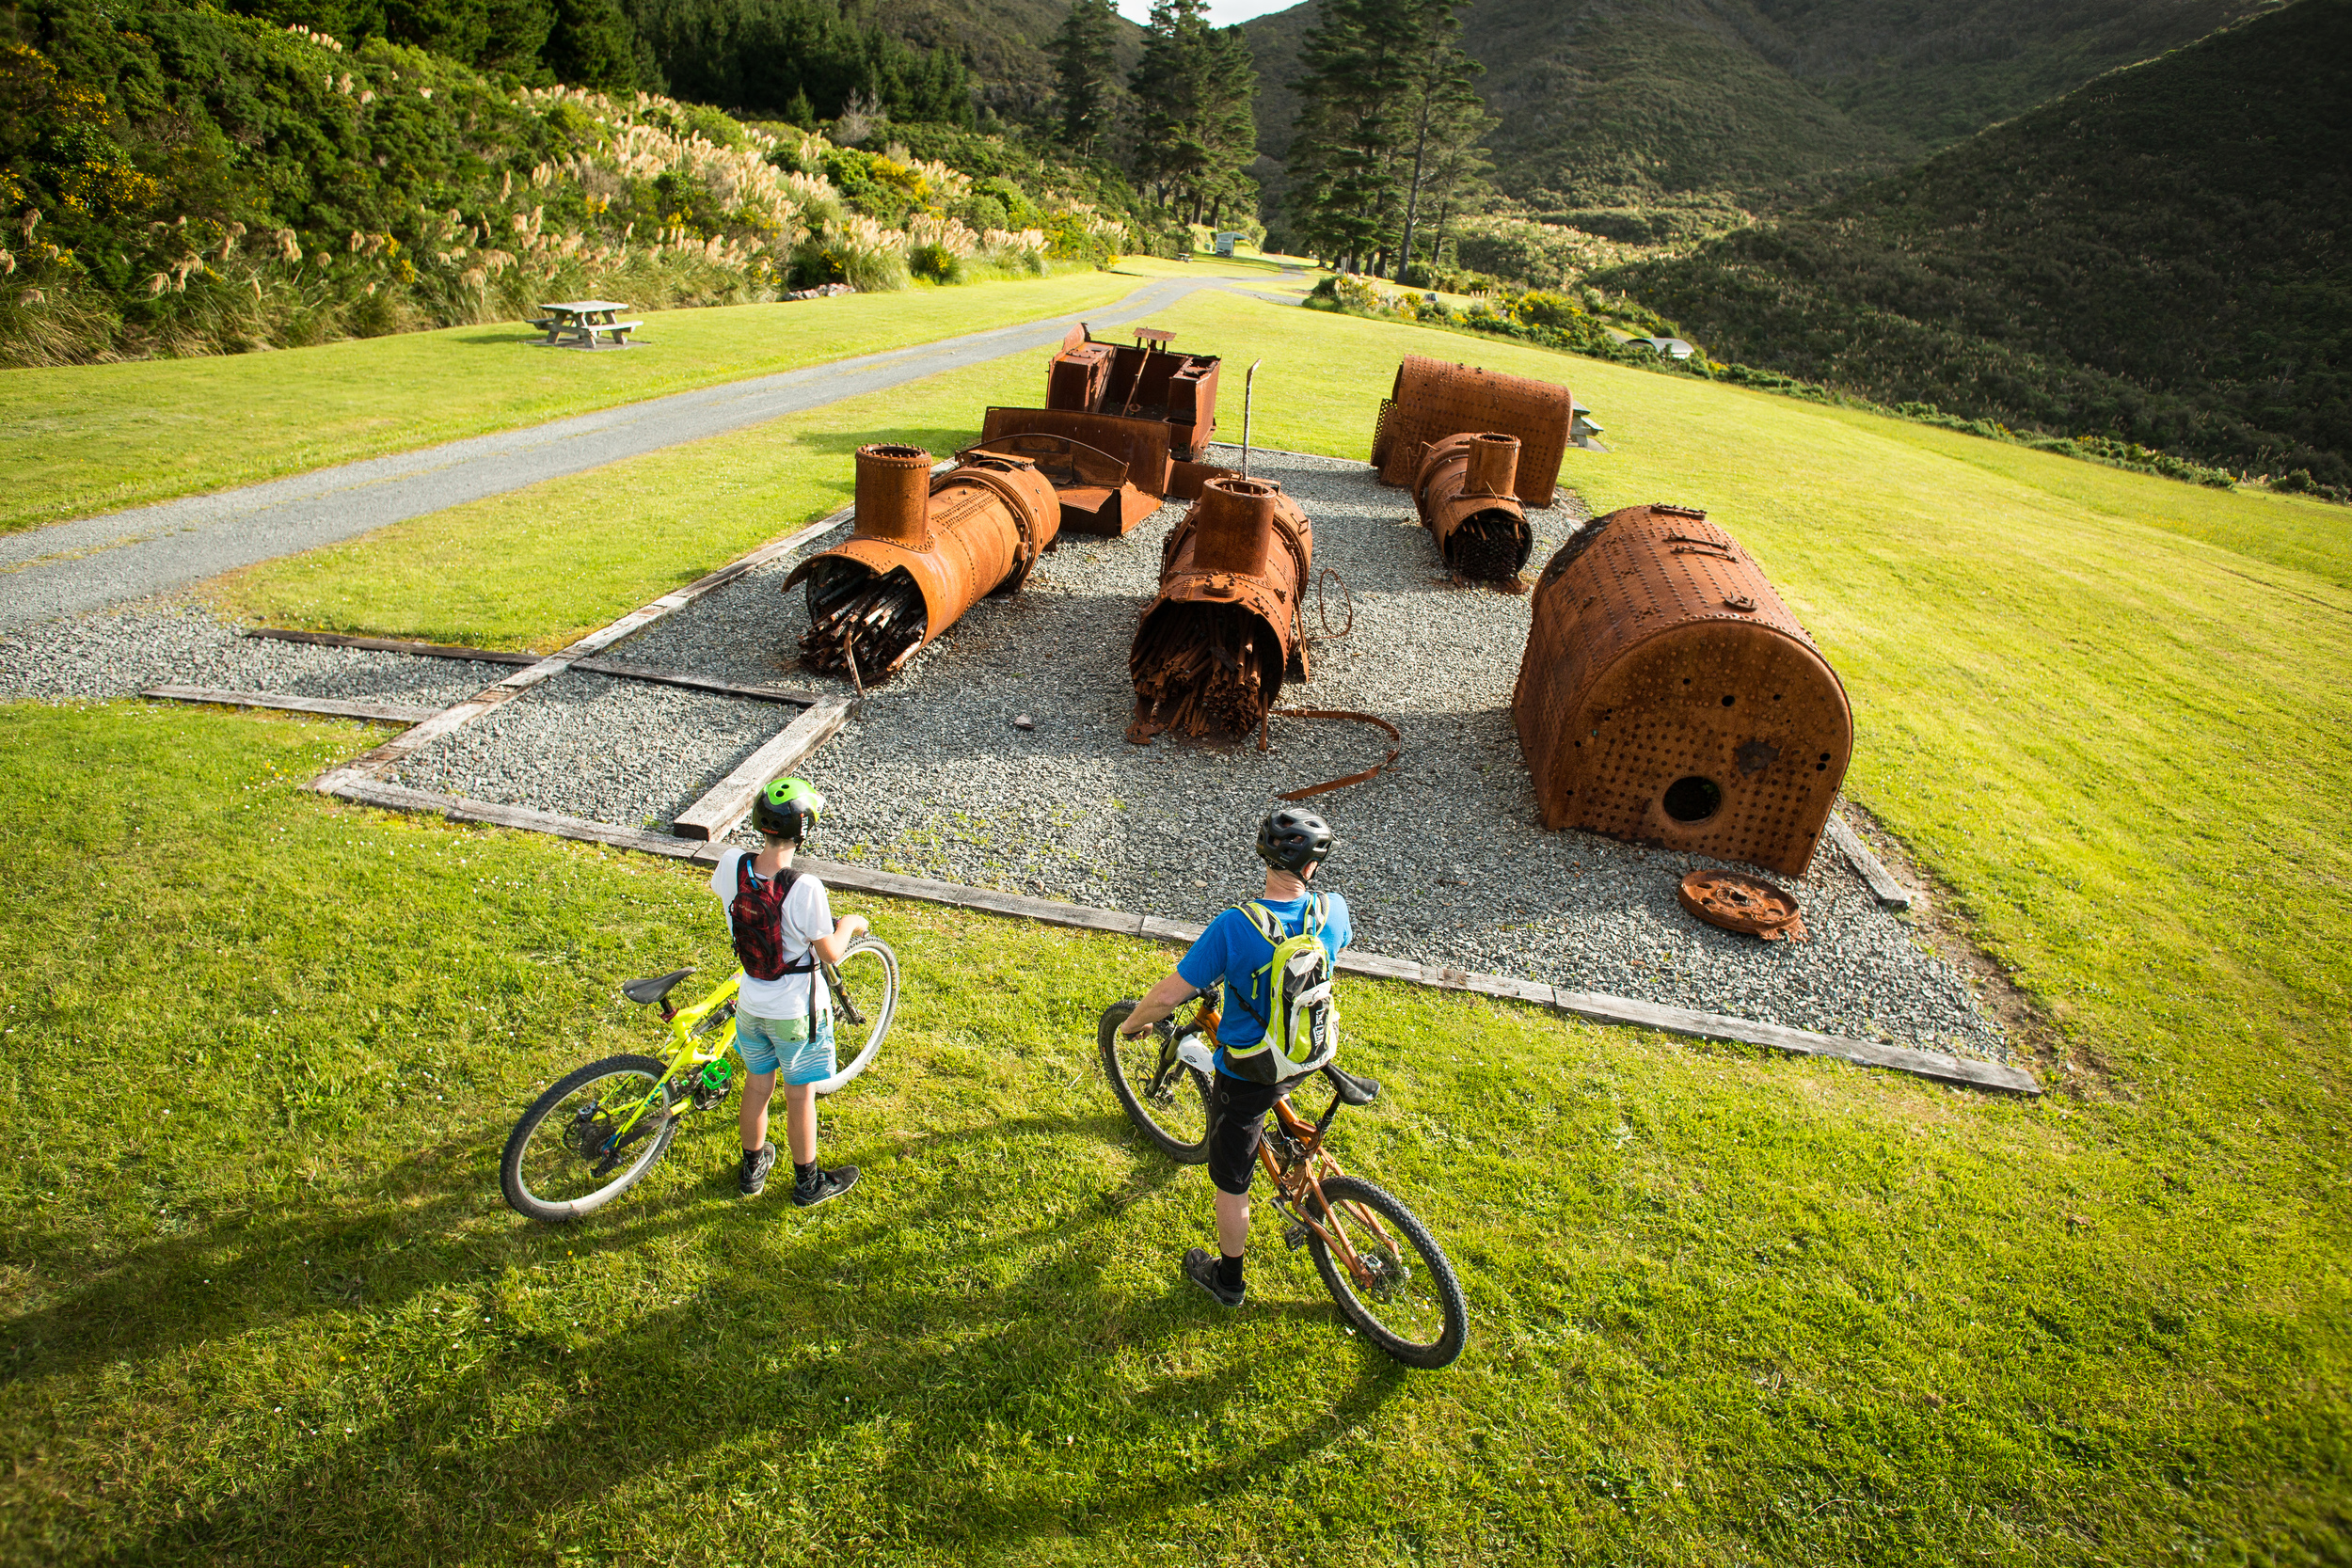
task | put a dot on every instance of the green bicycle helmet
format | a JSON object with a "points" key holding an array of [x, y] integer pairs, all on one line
{"points": [[787, 808]]}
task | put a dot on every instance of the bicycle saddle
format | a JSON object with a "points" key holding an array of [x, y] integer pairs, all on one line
{"points": [[653, 987], [1353, 1090]]}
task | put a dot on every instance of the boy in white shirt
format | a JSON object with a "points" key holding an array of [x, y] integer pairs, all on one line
{"points": [[782, 926]]}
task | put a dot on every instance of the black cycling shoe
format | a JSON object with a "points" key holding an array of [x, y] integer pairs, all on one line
{"points": [[1201, 1268], [823, 1186], [753, 1178]]}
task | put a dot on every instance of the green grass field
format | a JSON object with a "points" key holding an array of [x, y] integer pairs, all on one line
{"points": [[97, 437], [264, 1304]]}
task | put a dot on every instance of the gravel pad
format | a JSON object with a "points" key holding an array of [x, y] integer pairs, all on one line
{"points": [[1443, 858], [121, 652], [611, 750]]}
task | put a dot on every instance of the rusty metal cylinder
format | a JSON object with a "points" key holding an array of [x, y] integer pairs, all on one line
{"points": [[923, 550], [1668, 697], [893, 485], [1432, 400], [1214, 647], [1464, 495]]}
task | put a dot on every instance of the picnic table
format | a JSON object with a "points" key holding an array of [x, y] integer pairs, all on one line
{"points": [[580, 322]]}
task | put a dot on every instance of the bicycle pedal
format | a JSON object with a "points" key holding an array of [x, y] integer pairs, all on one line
{"points": [[1297, 1236]]}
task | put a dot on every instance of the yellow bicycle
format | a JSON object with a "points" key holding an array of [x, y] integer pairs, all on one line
{"points": [[597, 1131]]}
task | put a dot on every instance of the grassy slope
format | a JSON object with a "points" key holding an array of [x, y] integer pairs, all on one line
{"points": [[95, 437], [1729, 1307]]}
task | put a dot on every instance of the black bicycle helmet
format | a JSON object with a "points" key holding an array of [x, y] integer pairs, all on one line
{"points": [[788, 808], [1291, 840]]}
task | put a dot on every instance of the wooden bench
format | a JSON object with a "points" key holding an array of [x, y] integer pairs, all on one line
{"points": [[618, 331]]}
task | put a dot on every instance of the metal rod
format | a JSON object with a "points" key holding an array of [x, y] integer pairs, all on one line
{"points": [[1248, 385]]}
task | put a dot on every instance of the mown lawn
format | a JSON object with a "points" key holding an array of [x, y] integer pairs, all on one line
{"points": [[97, 437], [1728, 1308]]}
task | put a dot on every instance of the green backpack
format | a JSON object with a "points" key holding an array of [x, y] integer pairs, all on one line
{"points": [[1302, 1024]]}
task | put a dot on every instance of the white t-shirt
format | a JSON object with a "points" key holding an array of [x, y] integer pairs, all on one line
{"points": [[808, 916]]}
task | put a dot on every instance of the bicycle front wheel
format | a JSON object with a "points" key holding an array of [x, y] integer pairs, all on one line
{"points": [[1402, 1291], [1168, 1101], [864, 986], [569, 1157]]}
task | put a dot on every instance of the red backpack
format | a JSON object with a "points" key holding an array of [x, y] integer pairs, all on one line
{"points": [[756, 917]]}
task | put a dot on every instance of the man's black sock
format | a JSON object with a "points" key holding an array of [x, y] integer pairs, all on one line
{"points": [[803, 1174], [1228, 1273]]}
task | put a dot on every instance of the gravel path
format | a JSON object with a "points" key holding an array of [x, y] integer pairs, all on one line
{"points": [[73, 568], [121, 652]]}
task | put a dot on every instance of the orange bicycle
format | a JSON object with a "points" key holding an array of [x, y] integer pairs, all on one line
{"points": [[1381, 1265]]}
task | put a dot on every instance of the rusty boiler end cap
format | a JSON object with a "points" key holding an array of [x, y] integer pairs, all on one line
{"points": [[1738, 902], [887, 456]]}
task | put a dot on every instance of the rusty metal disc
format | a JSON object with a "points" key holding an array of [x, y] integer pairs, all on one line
{"points": [[1739, 902]]}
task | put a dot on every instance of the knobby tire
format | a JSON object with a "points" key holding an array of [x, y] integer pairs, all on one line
{"points": [[645, 1154], [1187, 1087], [1432, 1283]]}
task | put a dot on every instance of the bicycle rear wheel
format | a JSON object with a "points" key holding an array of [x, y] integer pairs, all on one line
{"points": [[864, 986], [568, 1158], [1168, 1101], [1410, 1304]]}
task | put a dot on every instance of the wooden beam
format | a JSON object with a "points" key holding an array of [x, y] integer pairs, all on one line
{"points": [[333, 707], [392, 797], [716, 813], [392, 645], [1890, 894]]}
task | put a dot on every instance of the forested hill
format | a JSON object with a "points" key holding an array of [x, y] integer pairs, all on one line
{"points": [[2160, 256], [1768, 104]]}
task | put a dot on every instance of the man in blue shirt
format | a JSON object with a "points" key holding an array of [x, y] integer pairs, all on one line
{"points": [[1293, 844]]}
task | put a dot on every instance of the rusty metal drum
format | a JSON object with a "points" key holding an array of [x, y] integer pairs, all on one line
{"points": [[1668, 697], [1432, 400], [1464, 495]]}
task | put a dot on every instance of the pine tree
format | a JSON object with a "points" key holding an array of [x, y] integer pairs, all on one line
{"points": [[1195, 134], [1444, 101], [1085, 74], [1342, 165]]}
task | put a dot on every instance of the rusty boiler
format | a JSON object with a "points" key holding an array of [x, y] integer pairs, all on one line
{"points": [[1148, 407], [1432, 400], [1214, 648], [1668, 697], [924, 548], [1465, 498]]}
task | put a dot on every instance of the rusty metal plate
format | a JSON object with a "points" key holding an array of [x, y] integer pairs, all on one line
{"points": [[924, 550], [1464, 495], [1432, 400], [1212, 651], [1667, 696], [1142, 445], [1092, 485], [1739, 902]]}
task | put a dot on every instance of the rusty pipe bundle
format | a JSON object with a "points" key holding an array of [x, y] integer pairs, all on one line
{"points": [[1432, 400], [1214, 648], [1667, 696], [1464, 495], [923, 550]]}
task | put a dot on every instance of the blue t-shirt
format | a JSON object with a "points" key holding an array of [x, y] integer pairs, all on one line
{"points": [[1232, 950]]}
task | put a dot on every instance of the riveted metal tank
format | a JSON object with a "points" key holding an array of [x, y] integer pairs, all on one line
{"points": [[924, 548], [1214, 647], [1668, 697], [1432, 400], [1464, 495]]}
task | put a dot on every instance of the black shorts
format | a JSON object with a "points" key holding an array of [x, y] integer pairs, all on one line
{"points": [[1237, 1113]]}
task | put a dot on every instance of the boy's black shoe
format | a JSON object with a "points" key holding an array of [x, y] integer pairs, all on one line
{"points": [[753, 1178], [1201, 1268], [822, 1185]]}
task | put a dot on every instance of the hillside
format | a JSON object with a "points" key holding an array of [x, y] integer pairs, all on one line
{"points": [[1609, 104], [2156, 257], [1002, 40]]}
